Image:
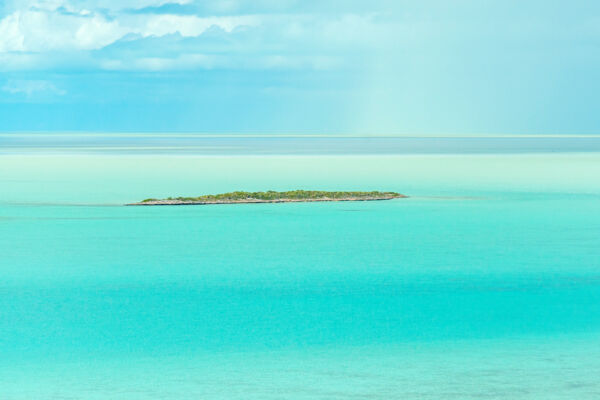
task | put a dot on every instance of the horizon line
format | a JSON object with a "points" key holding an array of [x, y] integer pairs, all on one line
{"points": [[300, 135]]}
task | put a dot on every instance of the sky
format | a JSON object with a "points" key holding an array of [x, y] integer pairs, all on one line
{"points": [[420, 67]]}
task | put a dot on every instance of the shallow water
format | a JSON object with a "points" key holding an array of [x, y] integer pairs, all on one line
{"points": [[484, 284]]}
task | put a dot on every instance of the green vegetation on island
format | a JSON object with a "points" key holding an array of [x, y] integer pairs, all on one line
{"points": [[274, 197]]}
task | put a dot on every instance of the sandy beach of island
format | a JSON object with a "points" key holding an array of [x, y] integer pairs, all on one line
{"points": [[298, 196], [249, 201]]}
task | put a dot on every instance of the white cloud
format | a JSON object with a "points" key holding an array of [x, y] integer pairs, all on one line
{"points": [[84, 6], [49, 34], [160, 25], [31, 87], [11, 38], [43, 31]]}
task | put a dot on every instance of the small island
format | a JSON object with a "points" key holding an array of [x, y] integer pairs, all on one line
{"points": [[293, 196]]}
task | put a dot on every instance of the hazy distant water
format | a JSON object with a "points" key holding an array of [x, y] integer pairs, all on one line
{"points": [[200, 144], [484, 284]]}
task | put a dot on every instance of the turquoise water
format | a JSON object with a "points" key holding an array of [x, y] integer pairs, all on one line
{"points": [[484, 284]]}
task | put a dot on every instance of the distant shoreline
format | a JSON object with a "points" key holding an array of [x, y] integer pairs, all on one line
{"points": [[296, 196]]}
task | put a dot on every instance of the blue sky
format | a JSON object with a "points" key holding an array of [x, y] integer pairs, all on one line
{"points": [[420, 67]]}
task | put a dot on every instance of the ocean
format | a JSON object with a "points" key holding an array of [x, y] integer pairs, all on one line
{"points": [[485, 283]]}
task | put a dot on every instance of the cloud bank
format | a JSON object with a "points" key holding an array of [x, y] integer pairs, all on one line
{"points": [[116, 35]]}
